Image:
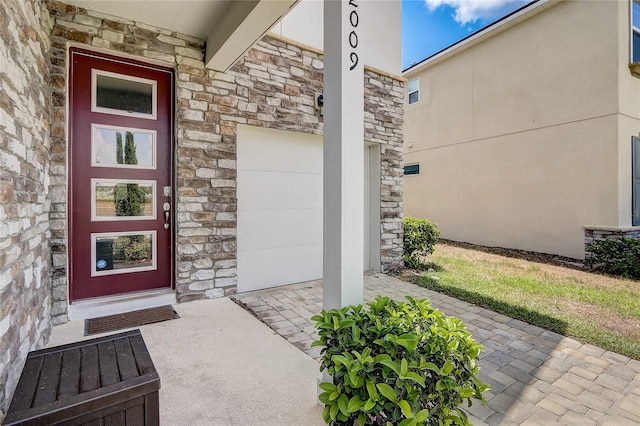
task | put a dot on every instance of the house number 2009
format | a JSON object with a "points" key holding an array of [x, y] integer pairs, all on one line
{"points": [[354, 19]]}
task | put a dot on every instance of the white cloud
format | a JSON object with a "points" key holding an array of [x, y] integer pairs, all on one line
{"points": [[467, 11]]}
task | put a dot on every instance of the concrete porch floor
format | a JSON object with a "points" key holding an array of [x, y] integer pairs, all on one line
{"points": [[219, 365]]}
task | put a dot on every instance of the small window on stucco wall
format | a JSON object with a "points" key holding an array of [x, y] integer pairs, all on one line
{"points": [[412, 169], [414, 90]]}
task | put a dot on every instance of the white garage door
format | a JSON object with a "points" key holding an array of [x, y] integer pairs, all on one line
{"points": [[279, 208]]}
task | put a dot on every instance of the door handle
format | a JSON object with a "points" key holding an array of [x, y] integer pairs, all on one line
{"points": [[167, 213]]}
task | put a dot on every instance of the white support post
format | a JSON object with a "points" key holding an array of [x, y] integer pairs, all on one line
{"points": [[343, 153]]}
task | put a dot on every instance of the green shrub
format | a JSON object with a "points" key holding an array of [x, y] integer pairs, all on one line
{"points": [[396, 364], [620, 256], [420, 238], [132, 248]]}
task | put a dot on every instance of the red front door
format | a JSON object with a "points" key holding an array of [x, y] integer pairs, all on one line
{"points": [[120, 132]]}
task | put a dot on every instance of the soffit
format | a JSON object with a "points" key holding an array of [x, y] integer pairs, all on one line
{"points": [[191, 17], [229, 27]]}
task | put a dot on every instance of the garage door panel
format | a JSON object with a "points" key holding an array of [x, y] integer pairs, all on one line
{"points": [[280, 228], [276, 267], [296, 160], [271, 190], [278, 151]]}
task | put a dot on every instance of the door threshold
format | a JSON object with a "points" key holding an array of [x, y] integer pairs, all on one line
{"points": [[118, 304]]}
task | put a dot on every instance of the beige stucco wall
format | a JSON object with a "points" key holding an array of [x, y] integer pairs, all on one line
{"points": [[629, 119], [378, 30], [521, 138]]}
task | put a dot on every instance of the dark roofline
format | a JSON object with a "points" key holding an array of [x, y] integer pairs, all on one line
{"points": [[494, 23]]}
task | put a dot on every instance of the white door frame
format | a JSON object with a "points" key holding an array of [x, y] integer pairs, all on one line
{"points": [[375, 228]]}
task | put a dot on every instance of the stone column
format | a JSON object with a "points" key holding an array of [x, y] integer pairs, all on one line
{"points": [[343, 154]]}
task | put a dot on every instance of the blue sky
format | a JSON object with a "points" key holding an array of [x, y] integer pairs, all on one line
{"points": [[431, 25]]}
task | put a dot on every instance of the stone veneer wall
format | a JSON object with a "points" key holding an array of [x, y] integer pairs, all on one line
{"points": [[593, 233], [272, 86], [25, 285], [383, 120]]}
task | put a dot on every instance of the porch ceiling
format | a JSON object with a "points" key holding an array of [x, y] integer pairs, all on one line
{"points": [[229, 27]]}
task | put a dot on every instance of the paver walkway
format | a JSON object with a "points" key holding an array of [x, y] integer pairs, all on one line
{"points": [[537, 376]]}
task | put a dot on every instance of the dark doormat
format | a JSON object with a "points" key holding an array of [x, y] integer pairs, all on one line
{"points": [[129, 319]]}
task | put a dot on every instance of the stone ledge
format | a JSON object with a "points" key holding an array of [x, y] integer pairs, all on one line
{"points": [[613, 228], [635, 69]]}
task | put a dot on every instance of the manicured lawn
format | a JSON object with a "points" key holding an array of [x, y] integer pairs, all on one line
{"points": [[592, 308]]}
